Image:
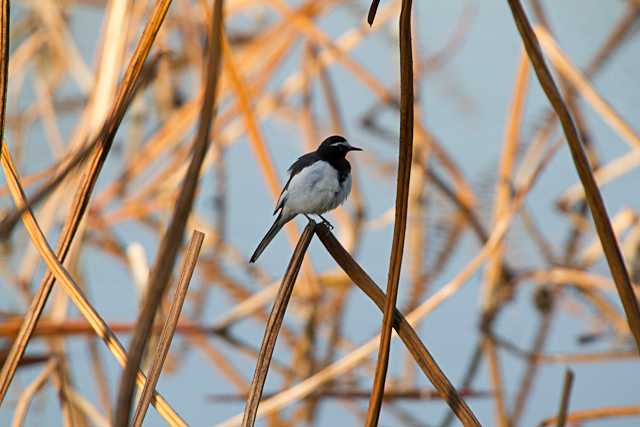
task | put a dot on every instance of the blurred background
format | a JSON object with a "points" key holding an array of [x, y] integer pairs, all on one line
{"points": [[542, 302]]}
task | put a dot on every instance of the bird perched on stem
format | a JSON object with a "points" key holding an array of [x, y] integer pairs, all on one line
{"points": [[318, 182]]}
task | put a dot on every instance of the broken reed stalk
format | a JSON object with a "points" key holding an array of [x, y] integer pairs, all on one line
{"points": [[71, 288], [191, 258], [273, 326], [405, 331], [592, 193], [103, 144], [405, 154], [168, 251], [564, 402]]}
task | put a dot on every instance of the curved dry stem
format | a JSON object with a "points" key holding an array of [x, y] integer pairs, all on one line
{"points": [[594, 198], [402, 201]]}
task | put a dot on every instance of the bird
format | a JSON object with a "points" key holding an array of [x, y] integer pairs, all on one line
{"points": [[318, 182]]}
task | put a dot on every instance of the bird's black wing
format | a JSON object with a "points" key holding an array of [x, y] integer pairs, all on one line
{"points": [[294, 169]]}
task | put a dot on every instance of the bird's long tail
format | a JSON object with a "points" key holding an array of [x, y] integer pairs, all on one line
{"points": [[277, 225]]}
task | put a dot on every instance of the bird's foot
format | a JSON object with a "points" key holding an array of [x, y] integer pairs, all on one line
{"points": [[325, 222]]}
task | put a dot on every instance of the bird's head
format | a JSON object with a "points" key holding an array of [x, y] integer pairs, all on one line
{"points": [[335, 146]]}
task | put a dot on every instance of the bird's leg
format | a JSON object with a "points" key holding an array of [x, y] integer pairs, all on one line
{"points": [[327, 223], [308, 217]]}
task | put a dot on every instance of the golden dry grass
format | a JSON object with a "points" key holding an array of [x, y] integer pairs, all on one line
{"points": [[178, 130]]}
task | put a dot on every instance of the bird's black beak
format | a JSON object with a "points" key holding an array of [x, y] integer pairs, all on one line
{"points": [[352, 148]]}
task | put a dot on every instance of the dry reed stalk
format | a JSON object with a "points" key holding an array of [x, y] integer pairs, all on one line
{"points": [[495, 375], [168, 250], [87, 409], [168, 331], [570, 72], [603, 175], [596, 414], [493, 279], [402, 196], [103, 143], [100, 376], [100, 145], [22, 406], [5, 13], [401, 393], [528, 378], [71, 327], [307, 27], [273, 326], [564, 402], [225, 367], [593, 196], [255, 136], [404, 329], [373, 9], [495, 291], [61, 274]]}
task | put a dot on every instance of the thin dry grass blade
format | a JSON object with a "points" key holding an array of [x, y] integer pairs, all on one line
{"points": [[61, 274], [103, 142], [593, 196], [273, 326], [566, 393], [161, 273], [402, 199], [405, 331], [191, 258]]}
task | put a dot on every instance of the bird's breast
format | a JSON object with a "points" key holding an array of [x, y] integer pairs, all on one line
{"points": [[317, 189]]}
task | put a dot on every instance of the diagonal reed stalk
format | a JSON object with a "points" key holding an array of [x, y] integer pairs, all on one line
{"points": [[103, 143], [402, 198], [273, 326], [405, 331], [594, 198], [168, 251], [191, 258], [61, 274]]}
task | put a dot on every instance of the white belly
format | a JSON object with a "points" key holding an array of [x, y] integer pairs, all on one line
{"points": [[316, 190]]}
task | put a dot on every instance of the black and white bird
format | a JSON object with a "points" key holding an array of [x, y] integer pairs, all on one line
{"points": [[318, 182]]}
